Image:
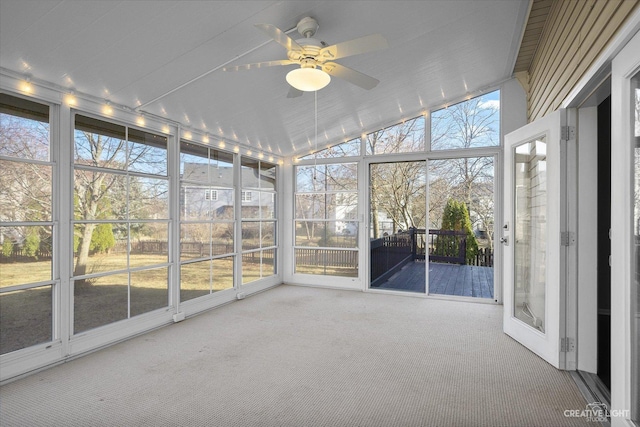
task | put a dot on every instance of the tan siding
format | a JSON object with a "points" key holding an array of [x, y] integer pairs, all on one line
{"points": [[557, 47], [575, 34], [532, 33]]}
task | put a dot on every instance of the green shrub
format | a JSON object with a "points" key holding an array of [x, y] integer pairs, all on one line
{"points": [[7, 248], [31, 243]]}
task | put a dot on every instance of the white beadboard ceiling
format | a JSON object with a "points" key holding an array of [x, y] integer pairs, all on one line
{"points": [[149, 55]]}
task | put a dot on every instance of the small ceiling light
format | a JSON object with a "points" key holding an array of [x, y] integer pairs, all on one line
{"points": [[25, 85], [205, 139], [140, 120], [106, 109], [71, 100], [308, 78]]}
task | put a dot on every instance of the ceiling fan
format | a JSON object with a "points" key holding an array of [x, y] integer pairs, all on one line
{"points": [[316, 58]]}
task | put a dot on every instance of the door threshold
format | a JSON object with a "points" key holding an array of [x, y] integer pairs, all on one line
{"points": [[593, 390]]}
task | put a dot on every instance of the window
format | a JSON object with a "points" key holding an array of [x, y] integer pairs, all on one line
{"points": [[406, 137], [326, 232], [259, 226], [120, 222], [207, 252], [211, 195], [468, 124], [345, 149], [27, 228]]}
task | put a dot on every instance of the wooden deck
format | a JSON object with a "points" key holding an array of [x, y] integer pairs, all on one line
{"points": [[444, 279]]}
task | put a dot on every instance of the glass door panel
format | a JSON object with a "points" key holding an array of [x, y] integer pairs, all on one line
{"points": [[398, 211], [529, 232], [459, 242]]}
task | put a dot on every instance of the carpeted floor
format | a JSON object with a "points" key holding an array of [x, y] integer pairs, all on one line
{"points": [[297, 356]]}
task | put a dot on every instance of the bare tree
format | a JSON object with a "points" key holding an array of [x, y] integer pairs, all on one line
{"points": [[469, 124], [101, 193], [25, 186], [92, 186], [398, 188]]}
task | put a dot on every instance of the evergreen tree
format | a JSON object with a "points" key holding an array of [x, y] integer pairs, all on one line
{"points": [[456, 217], [7, 247], [102, 239], [31, 243]]}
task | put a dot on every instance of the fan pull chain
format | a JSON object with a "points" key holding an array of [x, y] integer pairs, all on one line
{"points": [[315, 152]]}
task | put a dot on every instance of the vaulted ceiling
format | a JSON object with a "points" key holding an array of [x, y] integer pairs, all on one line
{"points": [[166, 58]]}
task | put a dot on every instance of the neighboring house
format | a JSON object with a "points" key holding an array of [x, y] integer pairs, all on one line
{"points": [[216, 201]]}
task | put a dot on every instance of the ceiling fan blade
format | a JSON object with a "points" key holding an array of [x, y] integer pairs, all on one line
{"points": [[294, 93], [280, 36], [350, 75], [259, 65], [353, 47]]}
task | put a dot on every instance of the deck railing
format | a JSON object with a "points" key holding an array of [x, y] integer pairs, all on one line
{"points": [[390, 253]]}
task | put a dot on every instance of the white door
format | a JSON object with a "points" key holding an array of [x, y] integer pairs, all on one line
{"points": [[534, 212]]}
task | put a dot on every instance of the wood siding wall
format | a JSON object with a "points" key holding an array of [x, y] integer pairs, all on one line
{"points": [[575, 34]]}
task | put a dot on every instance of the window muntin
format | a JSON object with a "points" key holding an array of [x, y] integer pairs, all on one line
{"points": [[207, 212], [121, 222], [259, 224], [469, 124], [27, 228], [325, 225]]}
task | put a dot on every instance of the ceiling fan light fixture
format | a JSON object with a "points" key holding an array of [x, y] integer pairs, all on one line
{"points": [[308, 79]]}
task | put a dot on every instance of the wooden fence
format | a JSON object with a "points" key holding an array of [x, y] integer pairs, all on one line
{"points": [[18, 255], [484, 258], [326, 257], [268, 257]]}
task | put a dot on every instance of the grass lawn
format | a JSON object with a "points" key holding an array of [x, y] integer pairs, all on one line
{"points": [[26, 315], [24, 272]]}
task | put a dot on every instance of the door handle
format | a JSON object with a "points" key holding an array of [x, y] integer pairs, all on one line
{"points": [[504, 241]]}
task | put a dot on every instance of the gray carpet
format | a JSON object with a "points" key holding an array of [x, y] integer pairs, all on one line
{"points": [[296, 356]]}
